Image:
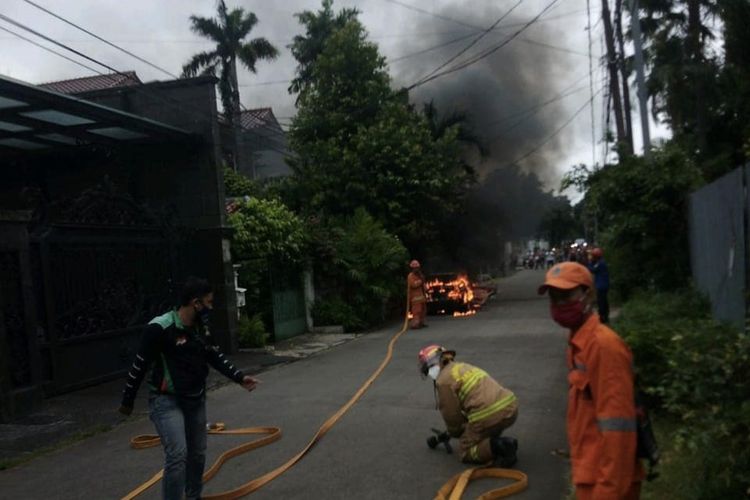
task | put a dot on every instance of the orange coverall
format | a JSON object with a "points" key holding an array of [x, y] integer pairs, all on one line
{"points": [[601, 417], [417, 299]]}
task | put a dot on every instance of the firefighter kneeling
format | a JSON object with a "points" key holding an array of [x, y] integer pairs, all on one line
{"points": [[476, 409]]}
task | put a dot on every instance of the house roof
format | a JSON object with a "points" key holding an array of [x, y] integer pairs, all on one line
{"points": [[89, 83], [259, 118], [34, 118]]}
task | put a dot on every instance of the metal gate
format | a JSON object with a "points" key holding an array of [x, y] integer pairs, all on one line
{"points": [[289, 313], [96, 287]]}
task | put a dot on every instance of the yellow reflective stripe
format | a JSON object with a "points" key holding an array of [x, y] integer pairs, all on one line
{"points": [[474, 453], [493, 408], [469, 382]]}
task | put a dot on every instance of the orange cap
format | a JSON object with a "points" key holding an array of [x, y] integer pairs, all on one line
{"points": [[566, 276]]}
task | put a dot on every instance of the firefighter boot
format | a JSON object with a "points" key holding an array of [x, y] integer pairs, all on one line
{"points": [[505, 450]]}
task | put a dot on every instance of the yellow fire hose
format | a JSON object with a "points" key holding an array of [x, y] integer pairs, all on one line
{"points": [[452, 490]]}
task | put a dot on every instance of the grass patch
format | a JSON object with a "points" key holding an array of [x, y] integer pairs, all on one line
{"points": [[78, 436]]}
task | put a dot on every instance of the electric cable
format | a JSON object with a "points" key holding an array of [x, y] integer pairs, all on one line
{"points": [[486, 53], [61, 18], [557, 131], [100, 38], [49, 49], [475, 41], [179, 105]]}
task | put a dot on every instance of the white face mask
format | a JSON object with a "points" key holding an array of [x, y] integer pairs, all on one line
{"points": [[433, 372]]}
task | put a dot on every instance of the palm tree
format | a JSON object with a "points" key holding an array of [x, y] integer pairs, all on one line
{"points": [[229, 31], [319, 26]]}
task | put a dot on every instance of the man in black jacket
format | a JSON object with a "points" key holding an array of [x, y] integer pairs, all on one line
{"points": [[178, 345]]}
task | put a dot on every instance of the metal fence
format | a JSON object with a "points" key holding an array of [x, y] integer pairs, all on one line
{"points": [[718, 232]]}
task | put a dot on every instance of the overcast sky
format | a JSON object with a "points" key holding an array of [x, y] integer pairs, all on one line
{"points": [[546, 60]]}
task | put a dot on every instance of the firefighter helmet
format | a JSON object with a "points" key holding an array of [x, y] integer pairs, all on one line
{"points": [[430, 356], [597, 252]]}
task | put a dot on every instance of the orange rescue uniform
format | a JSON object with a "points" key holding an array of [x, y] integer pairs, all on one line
{"points": [[601, 417], [417, 299]]}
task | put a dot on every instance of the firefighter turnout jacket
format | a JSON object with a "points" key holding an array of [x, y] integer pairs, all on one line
{"points": [[473, 406], [601, 418]]}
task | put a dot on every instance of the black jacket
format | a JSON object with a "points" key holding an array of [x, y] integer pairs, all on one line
{"points": [[180, 356]]}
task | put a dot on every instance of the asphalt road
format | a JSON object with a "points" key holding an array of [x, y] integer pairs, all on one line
{"points": [[377, 450]]}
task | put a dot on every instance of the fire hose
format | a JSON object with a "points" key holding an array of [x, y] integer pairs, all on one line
{"points": [[451, 490]]}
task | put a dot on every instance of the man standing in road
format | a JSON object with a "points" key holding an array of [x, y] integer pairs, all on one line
{"points": [[601, 418], [178, 344], [475, 407], [601, 281], [417, 298]]}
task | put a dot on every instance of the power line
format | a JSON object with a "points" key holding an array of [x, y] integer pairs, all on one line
{"points": [[473, 42], [59, 17], [48, 49], [179, 105], [486, 53], [430, 49], [100, 38], [444, 18], [474, 26], [588, 102], [533, 110]]}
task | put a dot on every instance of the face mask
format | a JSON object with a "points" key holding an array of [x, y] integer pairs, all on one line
{"points": [[204, 315], [433, 372], [570, 315]]}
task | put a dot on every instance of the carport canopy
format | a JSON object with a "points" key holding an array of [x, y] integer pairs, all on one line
{"points": [[34, 119]]}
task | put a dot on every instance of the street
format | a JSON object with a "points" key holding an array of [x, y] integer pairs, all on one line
{"points": [[378, 449]]}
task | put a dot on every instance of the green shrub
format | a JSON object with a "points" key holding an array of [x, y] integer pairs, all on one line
{"points": [[358, 259], [640, 208], [335, 311], [252, 331], [697, 371]]}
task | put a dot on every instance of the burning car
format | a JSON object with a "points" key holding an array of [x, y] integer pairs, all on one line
{"points": [[449, 293]]}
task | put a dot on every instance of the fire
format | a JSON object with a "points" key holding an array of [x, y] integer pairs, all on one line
{"points": [[459, 289], [470, 312]]}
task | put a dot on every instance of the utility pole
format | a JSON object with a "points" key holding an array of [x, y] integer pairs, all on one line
{"points": [[635, 27], [627, 109], [614, 80]]}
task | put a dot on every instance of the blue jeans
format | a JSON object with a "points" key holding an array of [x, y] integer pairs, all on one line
{"points": [[181, 424]]}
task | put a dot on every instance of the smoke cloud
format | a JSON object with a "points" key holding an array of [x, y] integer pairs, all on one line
{"points": [[497, 90]]}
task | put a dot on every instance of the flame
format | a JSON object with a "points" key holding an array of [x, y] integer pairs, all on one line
{"points": [[459, 289], [470, 312]]}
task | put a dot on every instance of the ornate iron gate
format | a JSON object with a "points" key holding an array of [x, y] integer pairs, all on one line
{"points": [[96, 289], [102, 268]]}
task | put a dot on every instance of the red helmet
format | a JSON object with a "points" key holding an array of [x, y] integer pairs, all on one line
{"points": [[597, 252], [414, 264], [430, 356]]}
